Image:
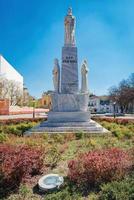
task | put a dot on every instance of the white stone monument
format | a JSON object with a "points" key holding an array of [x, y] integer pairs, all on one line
{"points": [[84, 77], [56, 76], [69, 104]]}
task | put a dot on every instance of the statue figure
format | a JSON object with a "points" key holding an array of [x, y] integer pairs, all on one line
{"points": [[69, 28], [84, 78], [56, 76]]}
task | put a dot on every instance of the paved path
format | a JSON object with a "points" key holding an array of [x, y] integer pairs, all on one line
{"points": [[37, 115], [44, 115], [126, 116]]}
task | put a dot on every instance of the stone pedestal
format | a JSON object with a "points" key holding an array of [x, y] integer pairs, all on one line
{"points": [[70, 102], [68, 117], [69, 70]]}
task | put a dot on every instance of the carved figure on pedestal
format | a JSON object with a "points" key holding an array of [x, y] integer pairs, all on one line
{"points": [[69, 28], [84, 77], [56, 76]]}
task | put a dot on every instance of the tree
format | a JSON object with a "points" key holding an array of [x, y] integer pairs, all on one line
{"points": [[123, 94], [3, 88], [11, 90]]}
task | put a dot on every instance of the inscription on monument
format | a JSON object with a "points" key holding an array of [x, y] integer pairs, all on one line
{"points": [[69, 59]]}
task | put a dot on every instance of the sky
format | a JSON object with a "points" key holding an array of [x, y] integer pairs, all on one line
{"points": [[32, 36]]}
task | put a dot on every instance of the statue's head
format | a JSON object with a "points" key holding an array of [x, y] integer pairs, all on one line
{"points": [[85, 62], [56, 62], [84, 66], [69, 11]]}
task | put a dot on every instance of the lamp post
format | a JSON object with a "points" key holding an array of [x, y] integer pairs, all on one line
{"points": [[33, 109], [114, 108]]}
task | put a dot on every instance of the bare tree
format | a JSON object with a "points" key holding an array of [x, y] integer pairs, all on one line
{"points": [[3, 88], [123, 94], [11, 90]]}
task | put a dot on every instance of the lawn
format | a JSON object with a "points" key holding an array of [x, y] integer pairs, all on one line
{"points": [[25, 159]]}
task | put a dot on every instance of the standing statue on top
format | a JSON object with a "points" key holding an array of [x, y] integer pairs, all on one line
{"points": [[69, 28], [56, 76], [84, 77]]}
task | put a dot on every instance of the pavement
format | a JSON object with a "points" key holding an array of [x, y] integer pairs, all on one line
{"points": [[125, 116], [24, 116], [44, 115]]}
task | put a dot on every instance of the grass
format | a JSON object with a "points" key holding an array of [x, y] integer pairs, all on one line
{"points": [[60, 148]]}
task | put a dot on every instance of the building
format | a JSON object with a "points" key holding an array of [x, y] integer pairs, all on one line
{"points": [[100, 104], [26, 96], [8, 72], [45, 101], [11, 83]]}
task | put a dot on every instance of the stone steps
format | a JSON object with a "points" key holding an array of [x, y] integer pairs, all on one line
{"points": [[67, 124], [67, 130], [68, 127]]}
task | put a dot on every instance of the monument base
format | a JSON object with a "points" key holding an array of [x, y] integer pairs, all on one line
{"points": [[78, 116], [69, 102], [90, 127]]}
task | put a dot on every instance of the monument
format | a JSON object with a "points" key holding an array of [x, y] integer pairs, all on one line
{"points": [[69, 110]]}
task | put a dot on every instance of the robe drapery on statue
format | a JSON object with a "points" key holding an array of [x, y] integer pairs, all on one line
{"points": [[56, 76], [84, 77], [69, 29]]}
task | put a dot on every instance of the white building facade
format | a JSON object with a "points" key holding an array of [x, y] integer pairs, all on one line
{"points": [[8, 72], [11, 83], [100, 104]]}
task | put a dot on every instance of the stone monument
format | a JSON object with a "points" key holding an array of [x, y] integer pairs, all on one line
{"points": [[69, 110]]}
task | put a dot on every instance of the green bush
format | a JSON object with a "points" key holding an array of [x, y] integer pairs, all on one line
{"points": [[24, 127], [63, 195], [79, 135], [13, 130], [17, 129], [24, 190], [53, 157], [3, 137], [58, 138], [123, 190], [117, 133], [128, 134], [121, 132], [131, 127], [45, 136]]}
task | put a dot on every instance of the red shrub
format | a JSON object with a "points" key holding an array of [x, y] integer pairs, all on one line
{"points": [[131, 153], [19, 120], [17, 164], [122, 121], [99, 166]]}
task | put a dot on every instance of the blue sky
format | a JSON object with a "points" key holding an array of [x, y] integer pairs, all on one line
{"points": [[32, 35]]}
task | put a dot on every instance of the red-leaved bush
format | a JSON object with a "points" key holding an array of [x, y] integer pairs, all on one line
{"points": [[19, 120], [121, 121], [17, 163], [99, 166]]}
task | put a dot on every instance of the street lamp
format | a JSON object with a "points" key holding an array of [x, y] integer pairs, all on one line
{"points": [[114, 108], [33, 109]]}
